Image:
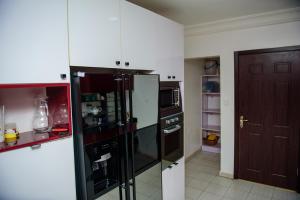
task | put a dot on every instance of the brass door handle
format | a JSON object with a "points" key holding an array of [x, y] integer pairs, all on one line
{"points": [[242, 120]]}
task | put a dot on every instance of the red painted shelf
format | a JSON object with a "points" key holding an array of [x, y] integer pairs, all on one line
{"points": [[28, 139]]}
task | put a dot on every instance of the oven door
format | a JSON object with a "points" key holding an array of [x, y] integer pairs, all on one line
{"points": [[172, 142]]}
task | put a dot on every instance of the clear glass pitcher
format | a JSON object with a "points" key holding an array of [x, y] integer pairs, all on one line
{"points": [[42, 121], [61, 116]]}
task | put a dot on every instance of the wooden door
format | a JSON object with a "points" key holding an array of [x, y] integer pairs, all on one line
{"points": [[268, 85]]}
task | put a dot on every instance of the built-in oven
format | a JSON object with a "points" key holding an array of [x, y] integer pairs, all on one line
{"points": [[170, 98], [172, 138]]}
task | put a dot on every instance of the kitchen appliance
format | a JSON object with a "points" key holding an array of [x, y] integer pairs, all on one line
{"points": [[116, 135], [172, 138], [170, 98]]}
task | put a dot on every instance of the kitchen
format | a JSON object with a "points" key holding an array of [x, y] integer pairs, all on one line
{"points": [[85, 122]]}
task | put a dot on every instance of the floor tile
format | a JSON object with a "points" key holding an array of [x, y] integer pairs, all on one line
{"points": [[192, 193], [216, 189], [209, 196], [236, 194]]}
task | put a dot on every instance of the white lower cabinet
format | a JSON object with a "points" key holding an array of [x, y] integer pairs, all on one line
{"points": [[44, 173], [173, 181]]}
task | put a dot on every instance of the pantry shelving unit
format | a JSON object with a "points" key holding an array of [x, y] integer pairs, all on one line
{"points": [[211, 114]]}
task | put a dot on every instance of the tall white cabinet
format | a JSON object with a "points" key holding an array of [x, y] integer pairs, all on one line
{"points": [[33, 41]]}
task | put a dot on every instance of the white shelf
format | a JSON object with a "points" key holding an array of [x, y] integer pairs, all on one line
{"points": [[211, 93], [213, 149], [212, 111], [211, 128], [207, 75]]}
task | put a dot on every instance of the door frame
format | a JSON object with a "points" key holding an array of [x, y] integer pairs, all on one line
{"points": [[236, 100]]}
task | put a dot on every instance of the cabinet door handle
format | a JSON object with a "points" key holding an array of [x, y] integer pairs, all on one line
{"points": [[37, 146], [118, 62], [127, 64], [173, 77], [169, 77]]}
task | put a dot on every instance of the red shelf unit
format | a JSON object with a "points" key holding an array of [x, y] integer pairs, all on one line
{"points": [[57, 93]]}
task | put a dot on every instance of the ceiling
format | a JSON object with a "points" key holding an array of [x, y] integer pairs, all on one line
{"points": [[190, 12]]}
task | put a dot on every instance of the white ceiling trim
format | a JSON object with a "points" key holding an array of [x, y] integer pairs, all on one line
{"points": [[249, 21]]}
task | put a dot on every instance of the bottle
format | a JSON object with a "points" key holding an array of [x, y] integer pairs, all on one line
{"points": [[42, 121]]}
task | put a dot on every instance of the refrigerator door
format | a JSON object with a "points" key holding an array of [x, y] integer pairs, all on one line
{"points": [[144, 142], [97, 124], [145, 99]]}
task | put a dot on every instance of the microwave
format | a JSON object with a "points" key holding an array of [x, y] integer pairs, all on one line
{"points": [[170, 98]]}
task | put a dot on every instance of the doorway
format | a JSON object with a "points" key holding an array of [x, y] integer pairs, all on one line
{"points": [[267, 123]]}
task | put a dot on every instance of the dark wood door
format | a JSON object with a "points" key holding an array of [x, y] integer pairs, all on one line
{"points": [[268, 97]]}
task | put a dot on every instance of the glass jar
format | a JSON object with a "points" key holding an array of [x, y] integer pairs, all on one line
{"points": [[42, 121], [61, 116]]}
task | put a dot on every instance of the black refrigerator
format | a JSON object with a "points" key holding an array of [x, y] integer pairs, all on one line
{"points": [[116, 134]]}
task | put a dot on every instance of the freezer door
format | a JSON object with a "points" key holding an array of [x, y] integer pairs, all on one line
{"points": [[145, 99]]}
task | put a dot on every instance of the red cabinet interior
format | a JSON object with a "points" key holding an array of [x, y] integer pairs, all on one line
{"points": [[56, 94]]}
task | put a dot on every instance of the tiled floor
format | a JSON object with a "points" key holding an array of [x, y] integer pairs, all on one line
{"points": [[203, 183]]}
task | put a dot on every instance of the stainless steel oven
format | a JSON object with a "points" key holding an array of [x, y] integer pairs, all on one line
{"points": [[172, 137], [170, 98]]}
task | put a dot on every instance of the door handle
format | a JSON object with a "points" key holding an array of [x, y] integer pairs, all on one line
{"points": [[168, 131], [242, 120]]}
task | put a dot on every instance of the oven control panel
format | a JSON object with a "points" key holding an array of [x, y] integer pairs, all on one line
{"points": [[171, 120]]}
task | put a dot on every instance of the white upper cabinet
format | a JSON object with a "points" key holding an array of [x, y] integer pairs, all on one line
{"points": [[33, 41], [138, 36], [170, 50], [94, 33]]}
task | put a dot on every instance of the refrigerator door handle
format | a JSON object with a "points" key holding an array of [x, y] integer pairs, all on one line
{"points": [[132, 137], [125, 129]]}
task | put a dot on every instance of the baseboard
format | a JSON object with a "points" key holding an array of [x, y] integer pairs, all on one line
{"points": [[187, 158], [226, 175]]}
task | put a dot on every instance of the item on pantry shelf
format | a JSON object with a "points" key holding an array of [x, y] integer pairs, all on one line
{"points": [[211, 67], [2, 123], [211, 86], [211, 139], [61, 116], [42, 121]]}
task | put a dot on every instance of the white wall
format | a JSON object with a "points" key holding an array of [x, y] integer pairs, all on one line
{"points": [[193, 102], [224, 44]]}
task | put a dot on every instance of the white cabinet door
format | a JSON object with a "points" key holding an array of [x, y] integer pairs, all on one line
{"points": [[138, 31], [168, 184], [179, 174], [170, 50], [94, 33], [45, 173], [173, 181], [33, 41]]}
